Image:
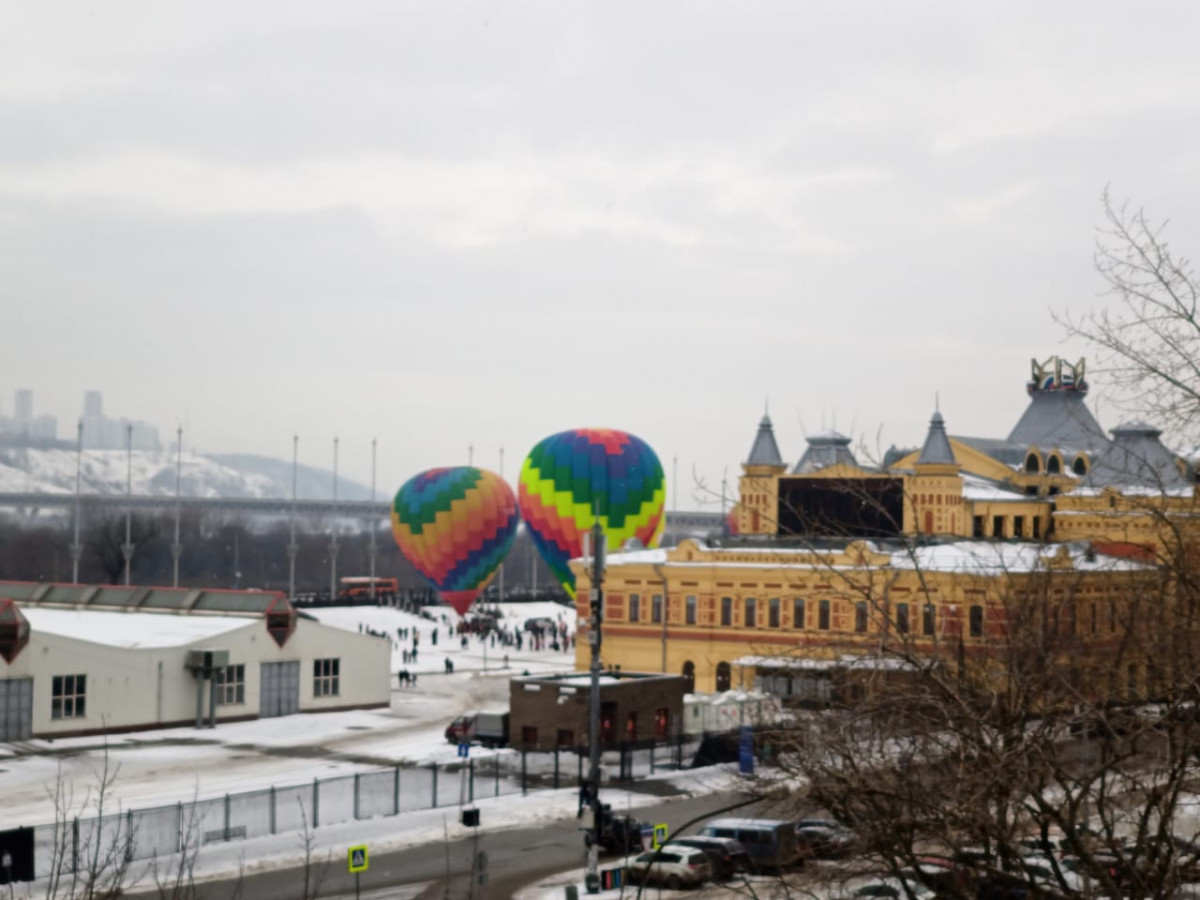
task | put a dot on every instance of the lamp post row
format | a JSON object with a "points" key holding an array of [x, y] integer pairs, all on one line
{"points": [[128, 547]]}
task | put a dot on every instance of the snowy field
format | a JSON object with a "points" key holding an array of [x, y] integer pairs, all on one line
{"points": [[167, 766], [171, 765]]}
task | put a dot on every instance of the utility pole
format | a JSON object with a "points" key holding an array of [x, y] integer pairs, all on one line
{"points": [[662, 609], [292, 548], [127, 547], [333, 543], [374, 525], [177, 547], [675, 483], [76, 547], [596, 600]]}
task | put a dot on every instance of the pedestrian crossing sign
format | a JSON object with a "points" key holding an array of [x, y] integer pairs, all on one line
{"points": [[357, 858], [660, 836]]}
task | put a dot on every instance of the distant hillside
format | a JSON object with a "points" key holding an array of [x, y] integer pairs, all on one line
{"points": [[52, 471], [313, 483]]}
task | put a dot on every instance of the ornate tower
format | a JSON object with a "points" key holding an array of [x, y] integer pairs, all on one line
{"points": [[936, 488], [758, 508]]}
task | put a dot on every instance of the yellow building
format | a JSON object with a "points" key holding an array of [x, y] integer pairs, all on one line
{"points": [[942, 550]]}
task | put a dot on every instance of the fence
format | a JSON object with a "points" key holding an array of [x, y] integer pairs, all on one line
{"points": [[92, 844]]}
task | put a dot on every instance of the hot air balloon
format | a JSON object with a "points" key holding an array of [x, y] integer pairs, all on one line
{"points": [[567, 475], [455, 525]]}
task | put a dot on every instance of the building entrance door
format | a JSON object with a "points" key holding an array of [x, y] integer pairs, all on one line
{"points": [[724, 677], [279, 693], [16, 709]]}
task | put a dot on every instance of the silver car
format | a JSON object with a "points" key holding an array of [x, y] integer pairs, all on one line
{"points": [[672, 866]]}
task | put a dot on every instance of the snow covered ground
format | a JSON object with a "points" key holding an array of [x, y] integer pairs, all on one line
{"points": [[172, 765]]}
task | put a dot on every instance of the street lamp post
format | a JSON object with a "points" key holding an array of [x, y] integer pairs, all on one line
{"points": [[177, 547], [374, 525], [127, 547], [596, 600], [292, 548], [662, 576], [76, 547], [333, 541]]}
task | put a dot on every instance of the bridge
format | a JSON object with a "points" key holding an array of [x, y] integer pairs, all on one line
{"points": [[33, 502]]}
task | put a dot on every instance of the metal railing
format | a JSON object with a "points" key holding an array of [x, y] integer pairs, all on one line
{"points": [[81, 844]]}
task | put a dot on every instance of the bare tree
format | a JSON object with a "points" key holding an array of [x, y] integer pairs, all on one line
{"points": [[315, 869], [1148, 335], [90, 856]]}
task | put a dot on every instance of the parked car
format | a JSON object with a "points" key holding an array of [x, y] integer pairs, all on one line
{"points": [[939, 873], [670, 867], [770, 843], [728, 857], [824, 839], [618, 834], [487, 728], [889, 888]]}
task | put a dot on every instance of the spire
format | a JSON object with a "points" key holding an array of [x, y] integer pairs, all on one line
{"points": [[937, 450], [765, 451]]}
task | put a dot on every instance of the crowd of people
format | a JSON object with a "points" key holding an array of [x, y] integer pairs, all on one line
{"points": [[485, 630]]}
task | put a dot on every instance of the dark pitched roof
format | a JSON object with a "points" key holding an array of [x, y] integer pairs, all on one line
{"points": [[1058, 420], [937, 447], [1137, 458], [824, 450], [765, 451]]}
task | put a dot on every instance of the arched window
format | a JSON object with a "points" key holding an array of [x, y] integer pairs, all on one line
{"points": [[724, 677], [689, 677], [928, 522], [1053, 465], [1079, 467], [1032, 463]]}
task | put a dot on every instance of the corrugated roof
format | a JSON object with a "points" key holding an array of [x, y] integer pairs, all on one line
{"points": [[765, 451], [120, 597]]}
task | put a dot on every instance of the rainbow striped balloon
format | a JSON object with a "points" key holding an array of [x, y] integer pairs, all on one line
{"points": [[568, 474], [455, 525]]}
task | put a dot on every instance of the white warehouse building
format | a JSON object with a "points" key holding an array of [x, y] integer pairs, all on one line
{"points": [[78, 659]]}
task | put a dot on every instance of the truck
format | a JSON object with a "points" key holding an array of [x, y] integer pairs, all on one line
{"points": [[487, 728]]}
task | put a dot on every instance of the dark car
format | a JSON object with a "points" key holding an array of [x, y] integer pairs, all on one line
{"points": [[726, 855], [824, 839]]}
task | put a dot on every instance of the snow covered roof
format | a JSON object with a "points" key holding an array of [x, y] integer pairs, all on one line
{"points": [[994, 557], [129, 630], [976, 487], [868, 663], [633, 557]]}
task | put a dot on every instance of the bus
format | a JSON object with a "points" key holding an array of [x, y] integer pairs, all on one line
{"points": [[358, 587]]}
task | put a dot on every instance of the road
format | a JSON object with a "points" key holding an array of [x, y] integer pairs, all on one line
{"points": [[517, 857]]}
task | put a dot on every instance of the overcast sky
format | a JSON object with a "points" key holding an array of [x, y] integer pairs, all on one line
{"points": [[448, 224]]}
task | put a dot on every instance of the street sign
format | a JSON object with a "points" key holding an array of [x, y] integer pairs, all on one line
{"points": [[660, 836], [356, 859], [464, 750]]}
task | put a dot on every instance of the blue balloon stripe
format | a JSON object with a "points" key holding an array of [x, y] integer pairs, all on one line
{"points": [[467, 573]]}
